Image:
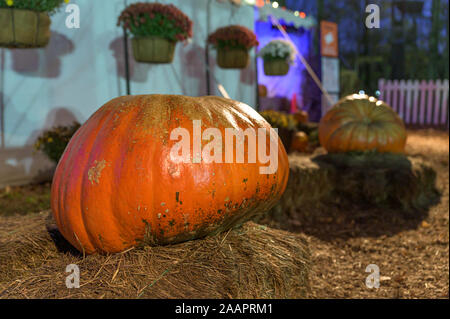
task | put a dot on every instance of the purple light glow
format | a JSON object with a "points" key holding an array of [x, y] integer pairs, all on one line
{"points": [[292, 83]]}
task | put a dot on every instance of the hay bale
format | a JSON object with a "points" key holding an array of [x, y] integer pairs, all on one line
{"points": [[252, 261], [369, 180], [382, 180], [308, 184]]}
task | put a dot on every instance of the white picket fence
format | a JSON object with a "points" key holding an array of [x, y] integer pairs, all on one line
{"points": [[419, 103]]}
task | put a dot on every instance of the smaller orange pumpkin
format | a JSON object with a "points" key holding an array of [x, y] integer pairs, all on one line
{"points": [[362, 123], [262, 90], [301, 117], [299, 142]]}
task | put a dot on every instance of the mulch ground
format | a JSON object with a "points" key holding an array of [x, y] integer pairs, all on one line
{"points": [[412, 253], [411, 250]]}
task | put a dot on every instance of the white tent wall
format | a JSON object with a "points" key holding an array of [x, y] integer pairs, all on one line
{"points": [[83, 68]]}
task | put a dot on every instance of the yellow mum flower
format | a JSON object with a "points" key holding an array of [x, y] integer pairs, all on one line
{"points": [[50, 140], [66, 1], [9, 3]]}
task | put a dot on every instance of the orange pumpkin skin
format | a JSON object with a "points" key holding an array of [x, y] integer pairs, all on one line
{"points": [[299, 142], [361, 123], [116, 185], [262, 90]]}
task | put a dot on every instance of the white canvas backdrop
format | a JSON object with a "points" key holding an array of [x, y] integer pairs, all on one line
{"points": [[83, 68]]}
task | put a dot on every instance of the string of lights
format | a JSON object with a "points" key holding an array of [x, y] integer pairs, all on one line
{"points": [[275, 5], [261, 3]]}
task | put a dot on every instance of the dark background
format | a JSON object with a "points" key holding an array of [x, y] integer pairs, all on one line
{"points": [[411, 43]]}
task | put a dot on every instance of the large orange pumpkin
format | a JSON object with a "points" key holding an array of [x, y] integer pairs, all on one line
{"points": [[361, 123], [117, 186]]}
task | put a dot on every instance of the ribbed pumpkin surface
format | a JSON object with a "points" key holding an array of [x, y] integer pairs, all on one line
{"points": [[361, 123], [116, 184]]}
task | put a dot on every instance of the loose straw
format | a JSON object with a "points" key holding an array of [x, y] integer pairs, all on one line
{"points": [[302, 59]]}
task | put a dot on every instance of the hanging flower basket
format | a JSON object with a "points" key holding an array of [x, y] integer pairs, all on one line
{"points": [[26, 24], [277, 55], [233, 44], [153, 49], [276, 67], [24, 28], [235, 58], [156, 28]]}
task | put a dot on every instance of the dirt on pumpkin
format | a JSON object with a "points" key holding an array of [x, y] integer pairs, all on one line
{"points": [[411, 251]]}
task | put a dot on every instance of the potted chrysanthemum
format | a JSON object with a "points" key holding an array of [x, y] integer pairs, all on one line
{"points": [[233, 44], [277, 56], [156, 28], [26, 23]]}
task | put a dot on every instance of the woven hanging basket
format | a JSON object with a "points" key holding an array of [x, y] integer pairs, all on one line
{"points": [[153, 50], [276, 67], [232, 58], [24, 28]]}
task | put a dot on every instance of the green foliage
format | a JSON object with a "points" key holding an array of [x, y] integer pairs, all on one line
{"points": [[313, 138], [420, 70], [349, 82], [25, 199], [415, 46], [54, 141], [49, 6], [229, 44], [279, 119], [160, 26]]}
